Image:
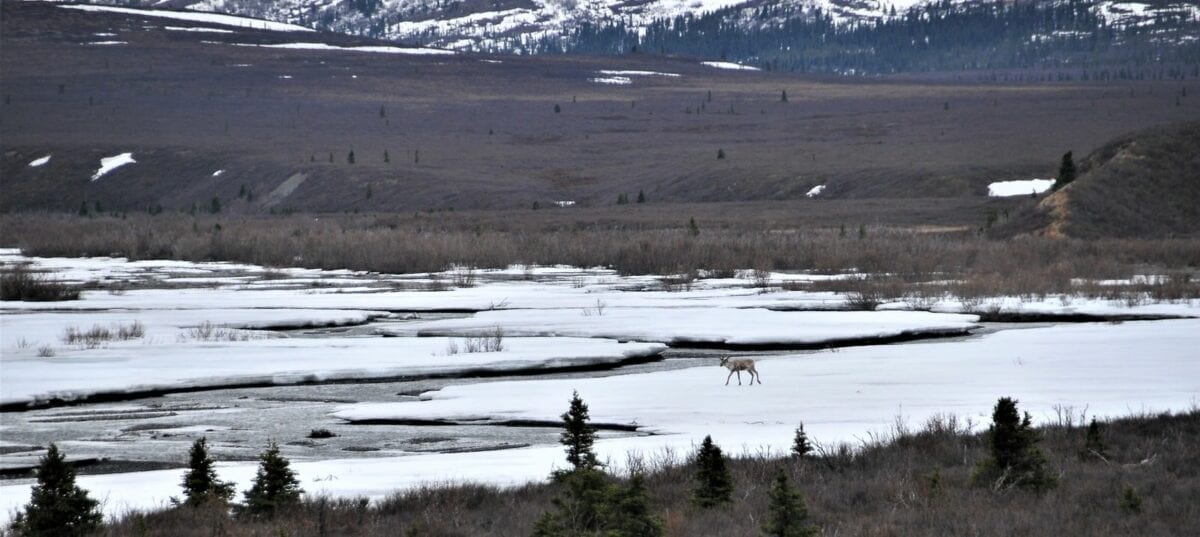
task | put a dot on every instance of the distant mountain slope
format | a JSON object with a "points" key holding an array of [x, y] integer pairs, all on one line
{"points": [[1146, 184], [205, 117], [842, 36]]}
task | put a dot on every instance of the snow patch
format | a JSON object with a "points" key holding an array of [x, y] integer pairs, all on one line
{"points": [[1019, 188], [379, 49], [635, 73], [109, 164], [731, 65], [218, 173], [815, 191], [107, 43], [614, 80], [39, 162], [213, 18], [197, 29]]}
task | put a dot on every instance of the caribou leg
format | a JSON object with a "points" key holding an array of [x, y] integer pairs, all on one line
{"points": [[739, 378], [729, 377]]}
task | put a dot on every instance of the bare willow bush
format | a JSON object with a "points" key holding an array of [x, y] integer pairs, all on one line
{"points": [[1030, 266]]}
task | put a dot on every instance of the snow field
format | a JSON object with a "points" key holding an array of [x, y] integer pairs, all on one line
{"points": [[708, 326], [79, 373], [840, 396]]}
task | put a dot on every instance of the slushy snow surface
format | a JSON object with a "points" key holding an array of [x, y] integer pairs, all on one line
{"points": [[1019, 188], [108, 164]]}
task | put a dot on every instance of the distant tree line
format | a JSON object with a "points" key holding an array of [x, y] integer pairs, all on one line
{"points": [[942, 36]]}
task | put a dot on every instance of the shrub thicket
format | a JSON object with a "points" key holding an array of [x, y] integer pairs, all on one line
{"points": [[22, 284]]}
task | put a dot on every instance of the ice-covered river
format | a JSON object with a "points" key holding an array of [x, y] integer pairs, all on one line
{"points": [[158, 353]]}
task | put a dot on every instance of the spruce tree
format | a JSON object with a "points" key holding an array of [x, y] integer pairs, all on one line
{"points": [[1066, 171], [386, 156], [200, 483], [783, 96], [275, 485], [57, 507], [1094, 446], [787, 516], [720, 154], [714, 485], [628, 513], [83, 209], [350, 157], [578, 436], [214, 206], [1015, 460], [557, 108], [800, 446], [580, 509], [641, 196], [693, 228]]}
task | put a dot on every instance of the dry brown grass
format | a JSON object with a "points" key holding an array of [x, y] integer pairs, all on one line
{"points": [[883, 487]]}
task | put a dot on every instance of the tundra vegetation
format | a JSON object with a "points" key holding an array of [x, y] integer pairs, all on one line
{"points": [[896, 262]]}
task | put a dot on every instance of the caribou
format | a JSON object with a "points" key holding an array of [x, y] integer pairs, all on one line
{"points": [[739, 365]]}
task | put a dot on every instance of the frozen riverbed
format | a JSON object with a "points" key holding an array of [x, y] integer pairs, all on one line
{"points": [[419, 412]]}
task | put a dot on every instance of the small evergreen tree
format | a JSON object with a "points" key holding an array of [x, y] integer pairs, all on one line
{"points": [[1131, 502], [720, 154], [1015, 460], [386, 156], [579, 510], [801, 448], [214, 206], [83, 209], [350, 157], [714, 485], [275, 485], [641, 196], [628, 513], [370, 192], [622, 199], [331, 158], [200, 483], [382, 111], [1094, 445], [693, 229], [1066, 171], [862, 232], [57, 507], [783, 96], [536, 206], [578, 435], [787, 515], [557, 108], [98, 208], [842, 231], [589, 504]]}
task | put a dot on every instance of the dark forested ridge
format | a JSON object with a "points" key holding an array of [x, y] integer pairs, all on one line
{"points": [[1081, 39]]}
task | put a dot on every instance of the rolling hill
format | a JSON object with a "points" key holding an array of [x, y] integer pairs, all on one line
{"points": [[1145, 184], [267, 120]]}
